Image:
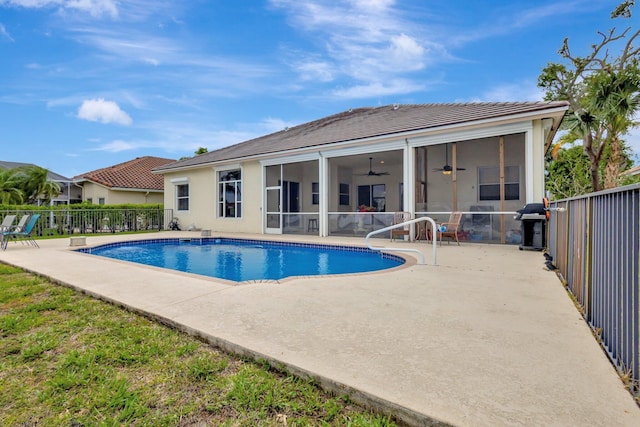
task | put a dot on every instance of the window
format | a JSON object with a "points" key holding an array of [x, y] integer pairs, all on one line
{"points": [[101, 201], [90, 200], [182, 197], [372, 196], [344, 194], [230, 194], [315, 193], [489, 183]]}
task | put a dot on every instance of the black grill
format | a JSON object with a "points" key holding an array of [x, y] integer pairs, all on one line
{"points": [[533, 218]]}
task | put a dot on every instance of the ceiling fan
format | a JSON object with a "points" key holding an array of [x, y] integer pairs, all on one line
{"points": [[372, 172], [447, 169]]}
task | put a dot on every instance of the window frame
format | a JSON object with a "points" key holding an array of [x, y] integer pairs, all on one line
{"points": [[344, 194], [509, 186], [225, 207], [181, 198], [315, 193], [373, 189]]}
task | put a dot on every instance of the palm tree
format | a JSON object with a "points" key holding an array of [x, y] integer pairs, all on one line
{"points": [[36, 185], [10, 193], [49, 190], [616, 97]]}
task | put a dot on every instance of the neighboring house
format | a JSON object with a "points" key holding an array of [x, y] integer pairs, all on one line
{"points": [[69, 193], [634, 171], [347, 173], [128, 182]]}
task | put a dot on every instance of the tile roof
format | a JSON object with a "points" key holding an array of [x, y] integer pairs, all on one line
{"points": [[368, 122], [133, 174]]}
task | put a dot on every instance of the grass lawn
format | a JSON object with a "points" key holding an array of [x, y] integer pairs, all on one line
{"points": [[67, 359]]}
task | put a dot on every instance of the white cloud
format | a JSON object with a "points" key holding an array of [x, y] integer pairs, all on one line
{"points": [[377, 89], [116, 146], [99, 110], [406, 53], [368, 41], [271, 125], [374, 4], [315, 71], [511, 92], [176, 61], [177, 139], [4, 33], [33, 3], [95, 8]]}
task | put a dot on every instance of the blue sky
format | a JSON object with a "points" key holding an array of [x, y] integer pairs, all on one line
{"points": [[86, 84]]}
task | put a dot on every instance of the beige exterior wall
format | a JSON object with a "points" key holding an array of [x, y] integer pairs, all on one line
{"points": [[203, 199], [154, 198], [95, 191]]}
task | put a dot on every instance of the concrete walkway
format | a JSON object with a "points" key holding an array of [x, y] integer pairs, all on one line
{"points": [[486, 338]]}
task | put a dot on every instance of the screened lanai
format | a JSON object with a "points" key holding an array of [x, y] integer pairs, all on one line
{"points": [[483, 178]]}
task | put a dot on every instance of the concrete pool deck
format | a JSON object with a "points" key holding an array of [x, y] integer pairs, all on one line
{"points": [[488, 337]]}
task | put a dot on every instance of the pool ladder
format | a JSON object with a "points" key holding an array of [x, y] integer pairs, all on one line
{"points": [[412, 221]]}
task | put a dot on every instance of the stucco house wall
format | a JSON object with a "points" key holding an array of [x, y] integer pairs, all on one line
{"points": [[203, 202], [93, 192]]}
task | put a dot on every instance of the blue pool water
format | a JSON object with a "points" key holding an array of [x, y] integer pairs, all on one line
{"points": [[241, 260]]}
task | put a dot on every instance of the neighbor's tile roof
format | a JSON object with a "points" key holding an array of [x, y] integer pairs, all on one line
{"points": [[134, 174], [366, 123]]}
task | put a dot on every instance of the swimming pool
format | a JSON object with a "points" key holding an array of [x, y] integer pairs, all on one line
{"points": [[243, 260]]}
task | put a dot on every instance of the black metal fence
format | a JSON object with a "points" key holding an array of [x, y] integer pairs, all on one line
{"points": [[594, 242], [61, 222]]}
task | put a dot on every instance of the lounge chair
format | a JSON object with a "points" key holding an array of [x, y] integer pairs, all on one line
{"points": [[7, 222], [20, 226], [24, 234], [450, 227]]}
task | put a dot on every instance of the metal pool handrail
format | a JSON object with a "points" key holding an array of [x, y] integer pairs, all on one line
{"points": [[412, 221]]}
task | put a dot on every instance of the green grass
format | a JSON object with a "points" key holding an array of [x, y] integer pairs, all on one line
{"points": [[70, 360]]}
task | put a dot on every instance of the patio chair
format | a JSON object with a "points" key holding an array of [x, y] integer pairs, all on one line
{"points": [[21, 223], [24, 234], [451, 228], [399, 218], [7, 222]]}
